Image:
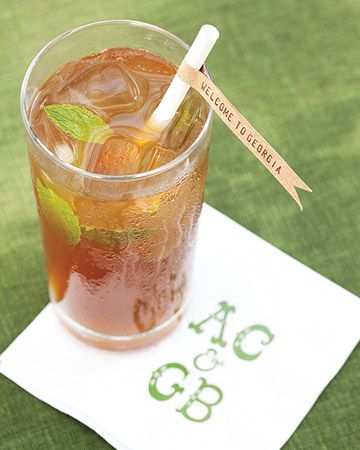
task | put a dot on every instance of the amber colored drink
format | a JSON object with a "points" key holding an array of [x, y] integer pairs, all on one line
{"points": [[118, 242], [128, 272]]}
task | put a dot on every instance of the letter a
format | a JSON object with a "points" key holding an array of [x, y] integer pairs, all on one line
{"points": [[220, 316], [195, 398]]}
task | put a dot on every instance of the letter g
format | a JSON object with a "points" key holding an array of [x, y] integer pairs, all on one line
{"points": [[176, 388]]}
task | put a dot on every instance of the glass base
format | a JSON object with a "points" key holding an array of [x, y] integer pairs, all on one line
{"points": [[110, 342]]}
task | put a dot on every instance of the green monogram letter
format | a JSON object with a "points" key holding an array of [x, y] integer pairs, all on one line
{"points": [[239, 352], [195, 398], [220, 316], [176, 388]]}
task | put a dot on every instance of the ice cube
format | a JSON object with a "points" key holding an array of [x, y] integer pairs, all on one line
{"points": [[154, 156], [116, 156], [59, 142], [149, 63], [108, 87], [182, 126], [64, 152]]}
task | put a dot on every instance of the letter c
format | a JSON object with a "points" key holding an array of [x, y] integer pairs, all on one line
{"points": [[239, 352]]}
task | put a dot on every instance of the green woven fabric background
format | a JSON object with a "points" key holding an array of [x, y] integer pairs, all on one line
{"points": [[292, 68]]}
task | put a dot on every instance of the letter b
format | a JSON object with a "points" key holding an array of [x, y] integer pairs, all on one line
{"points": [[195, 398]]}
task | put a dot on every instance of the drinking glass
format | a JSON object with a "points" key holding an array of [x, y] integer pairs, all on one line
{"points": [[115, 286]]}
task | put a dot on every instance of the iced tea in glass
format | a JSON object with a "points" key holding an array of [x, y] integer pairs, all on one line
{"points": [[118, 202]]}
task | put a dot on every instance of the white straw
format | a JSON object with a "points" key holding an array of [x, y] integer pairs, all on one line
{"points": [[177, 90]]}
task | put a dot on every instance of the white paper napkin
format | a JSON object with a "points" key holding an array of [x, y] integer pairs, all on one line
{"points": [[290, 334]]}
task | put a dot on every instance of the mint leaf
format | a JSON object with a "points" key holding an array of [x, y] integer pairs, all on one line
{"points": [[58, 213], [111, 238], [79, 122]]}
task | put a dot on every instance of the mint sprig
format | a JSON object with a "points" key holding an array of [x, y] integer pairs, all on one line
{"points": [[111, 238], [79, 122], [58, 213]]}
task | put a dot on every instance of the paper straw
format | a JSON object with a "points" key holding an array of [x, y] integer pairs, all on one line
{"points": [[177, 90]]}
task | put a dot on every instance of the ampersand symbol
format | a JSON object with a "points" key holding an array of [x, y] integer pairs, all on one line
{"points": [[207, 361]]}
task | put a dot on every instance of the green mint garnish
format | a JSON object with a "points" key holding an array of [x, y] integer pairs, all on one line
{"points": [[111, 238], [79, 122], [58, 213]]}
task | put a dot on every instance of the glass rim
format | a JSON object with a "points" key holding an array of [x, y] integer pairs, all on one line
{"points": [[78, 170]]}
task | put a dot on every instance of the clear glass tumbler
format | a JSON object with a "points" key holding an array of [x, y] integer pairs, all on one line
{"points": [[114, 290]]}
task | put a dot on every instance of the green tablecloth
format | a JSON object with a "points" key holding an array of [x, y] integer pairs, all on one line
{"points": [[292, 68]]}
